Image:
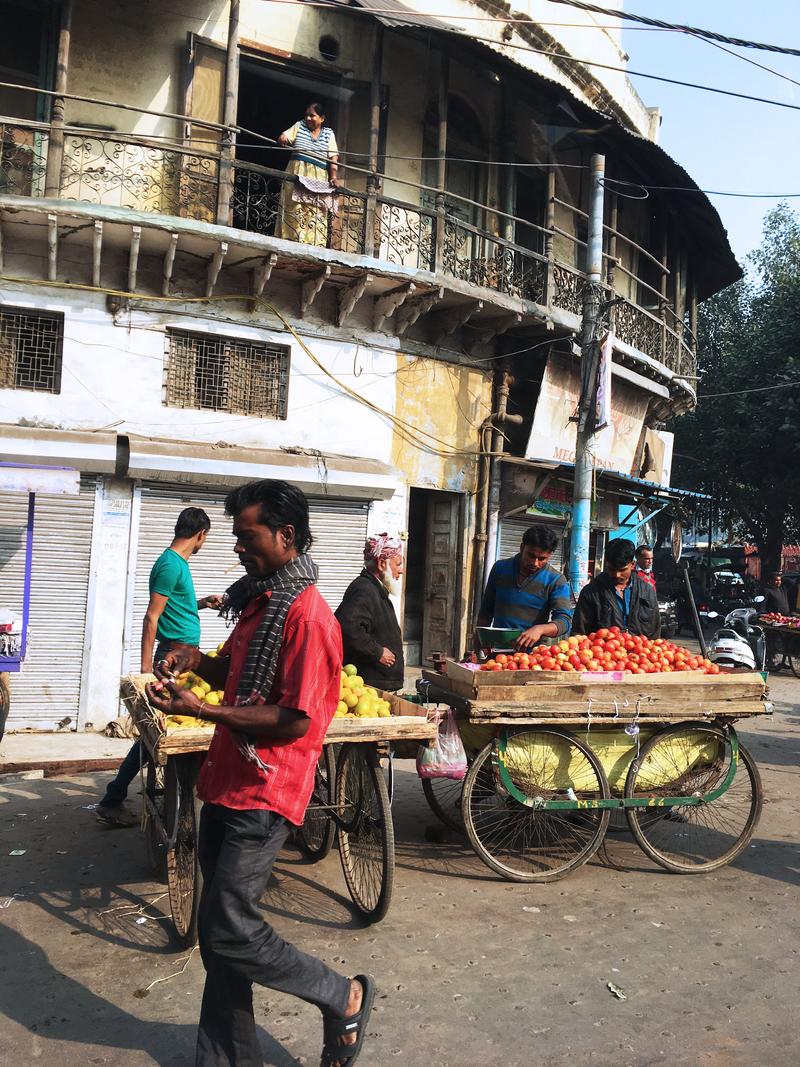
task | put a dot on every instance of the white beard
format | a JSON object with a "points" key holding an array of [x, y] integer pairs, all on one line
{"points": [[390, 584]]}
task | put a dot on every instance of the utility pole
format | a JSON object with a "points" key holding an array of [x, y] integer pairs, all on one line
{"points": [[590, 351]]}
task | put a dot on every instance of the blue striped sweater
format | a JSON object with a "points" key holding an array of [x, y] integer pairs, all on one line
{"points": [[544, 597]]}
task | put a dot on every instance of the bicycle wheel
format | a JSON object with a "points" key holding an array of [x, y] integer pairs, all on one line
{"points": [[693, 760], [794, 662], [526, 844], [154, 845], [184, 879], [444, 796], [366, 833], [315, 837]]}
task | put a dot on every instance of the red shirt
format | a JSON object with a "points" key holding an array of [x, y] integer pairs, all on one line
{"points": [[307, 680]]}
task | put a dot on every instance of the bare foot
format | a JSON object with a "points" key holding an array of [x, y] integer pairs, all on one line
{"points": [[353, 1005]]}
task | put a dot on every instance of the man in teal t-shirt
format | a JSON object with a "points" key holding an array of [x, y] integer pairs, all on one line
{"points": [[171, 617]]}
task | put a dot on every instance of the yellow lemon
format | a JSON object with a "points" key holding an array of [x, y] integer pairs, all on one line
{"points": [[220, 646], [349, 669], [384, 711], [364, 708], [220, 693], [350, 699], [198, 691], [212, 699], [356, 681], [211, 655], [341, 708]]}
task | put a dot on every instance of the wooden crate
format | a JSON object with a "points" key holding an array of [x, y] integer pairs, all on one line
{"points": [[407, 722], [609, 697]]}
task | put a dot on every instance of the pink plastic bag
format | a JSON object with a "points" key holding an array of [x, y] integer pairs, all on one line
{"points": [[446, 758]]}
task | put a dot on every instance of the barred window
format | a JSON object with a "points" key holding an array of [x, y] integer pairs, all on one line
{"points": [[226, 374], [31, 349]]}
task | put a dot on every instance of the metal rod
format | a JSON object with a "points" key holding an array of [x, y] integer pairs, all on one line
{"points": [[26, 583], [578, 570], [698, 629]]}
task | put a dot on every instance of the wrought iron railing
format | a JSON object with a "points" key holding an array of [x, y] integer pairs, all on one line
{"points": [[166, 178]]}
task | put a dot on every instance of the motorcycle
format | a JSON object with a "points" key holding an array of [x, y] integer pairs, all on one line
{"points": [[739, 643]]}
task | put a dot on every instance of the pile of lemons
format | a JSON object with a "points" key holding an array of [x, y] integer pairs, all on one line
{"points": [[200, 688], [357, 700]]}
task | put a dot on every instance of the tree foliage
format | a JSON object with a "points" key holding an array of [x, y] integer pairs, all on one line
{"points": [[744, 446]]}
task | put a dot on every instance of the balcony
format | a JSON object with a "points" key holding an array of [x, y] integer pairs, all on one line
{"points": [[166, 179]]}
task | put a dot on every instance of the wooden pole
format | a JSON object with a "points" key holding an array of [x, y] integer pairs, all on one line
{"points": [[371, 224], [55, 149], [230, 103], [441, 151], [550, 222]]}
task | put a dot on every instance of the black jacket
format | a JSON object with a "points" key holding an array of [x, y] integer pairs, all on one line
{"points": [[775, 599], [598, 606], [369, 624]]}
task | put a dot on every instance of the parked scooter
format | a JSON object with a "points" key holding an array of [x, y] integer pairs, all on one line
{"points": [[739, 643]]}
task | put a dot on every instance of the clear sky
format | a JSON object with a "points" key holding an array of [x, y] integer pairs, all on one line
{"points": [[722, 142]]}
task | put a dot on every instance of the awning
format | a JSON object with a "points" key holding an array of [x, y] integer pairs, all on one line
{"points": [[624, 484]]}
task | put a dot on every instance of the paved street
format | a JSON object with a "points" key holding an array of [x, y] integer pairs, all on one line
{"points": [[471, 970]]}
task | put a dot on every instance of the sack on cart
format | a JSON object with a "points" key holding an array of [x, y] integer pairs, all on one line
{"points": [[446, 757]]}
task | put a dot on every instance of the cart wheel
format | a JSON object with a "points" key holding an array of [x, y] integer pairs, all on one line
{"points": [[183, 868], [686, 760], [524, 844], [444, 799], [366, 833], [794, 663], [315, 837], [156, 849]]}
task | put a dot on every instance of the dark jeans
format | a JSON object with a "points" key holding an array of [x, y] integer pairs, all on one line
{"points": [[237, 850], [117, 790]]}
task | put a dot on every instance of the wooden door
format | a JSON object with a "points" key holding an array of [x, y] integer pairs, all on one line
{"points": [[442, 575], [204, 100]]}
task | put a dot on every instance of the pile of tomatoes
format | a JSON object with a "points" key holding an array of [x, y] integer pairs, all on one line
{"points": [[774, 618], [604, 650]]}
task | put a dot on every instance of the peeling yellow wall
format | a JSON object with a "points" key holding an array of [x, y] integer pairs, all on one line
{"points": [[449, 403]]}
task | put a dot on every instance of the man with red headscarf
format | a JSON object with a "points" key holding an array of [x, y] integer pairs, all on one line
{"points": [[370, 631]]}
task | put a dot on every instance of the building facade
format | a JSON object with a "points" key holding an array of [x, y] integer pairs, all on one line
{"points": [[171, 324]]}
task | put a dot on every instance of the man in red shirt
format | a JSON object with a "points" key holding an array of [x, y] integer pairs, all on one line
{"points": [[280, 670], [644, 565]]}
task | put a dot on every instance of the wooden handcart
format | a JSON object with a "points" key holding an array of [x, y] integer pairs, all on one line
{"points": [[783, 647], [350, 799], [554, 758]]}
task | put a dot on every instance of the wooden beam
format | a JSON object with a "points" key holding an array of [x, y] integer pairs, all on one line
{"points": [[414, 309], [311, 287], [349, 296], [55, 144], [2, 248], [169, 263], [386, 305], [97, 253], [52, 247], [447, 322], [261, 275], [230, 100], [215, 266], [133, 258]]}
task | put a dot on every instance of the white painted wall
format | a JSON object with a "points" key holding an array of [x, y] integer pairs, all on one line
{"points": [[113, 377]]}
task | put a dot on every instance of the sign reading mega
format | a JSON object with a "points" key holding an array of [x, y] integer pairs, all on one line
{"points": [[553, 432]]}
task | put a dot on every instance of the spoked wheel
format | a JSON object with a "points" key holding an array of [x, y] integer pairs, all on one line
{"points": [[775, 652], [794, 663], [526, 844], [444, 796], [693, 760], [366, 833], [315, 837], [184, 880], [156, 849]]}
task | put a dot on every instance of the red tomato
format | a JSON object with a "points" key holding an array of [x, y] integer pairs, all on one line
{"points": [[502, 658], [511, 666], [601, 635]]}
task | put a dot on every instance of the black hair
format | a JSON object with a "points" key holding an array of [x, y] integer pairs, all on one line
{"points": [[191, 521], [620, 552], [281, 504], [541, 537], [316, 107], [643, 548], [775, 574]]}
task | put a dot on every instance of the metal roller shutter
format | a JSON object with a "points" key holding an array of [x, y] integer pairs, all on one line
{"points": [[339, 528], [510, 535], [48, 687]]}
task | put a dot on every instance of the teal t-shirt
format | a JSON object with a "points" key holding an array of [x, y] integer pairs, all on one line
{"points": [[171, 577]]}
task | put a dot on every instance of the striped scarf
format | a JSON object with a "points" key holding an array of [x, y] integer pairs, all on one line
{"points": [[258, 673]]}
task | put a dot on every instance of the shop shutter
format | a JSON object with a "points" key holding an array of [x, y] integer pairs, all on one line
{"points": [[339, 528], [510, 535], [48, 687]]}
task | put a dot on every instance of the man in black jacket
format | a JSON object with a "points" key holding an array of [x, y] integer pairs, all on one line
{"points": [[370, 631], [775, 598], [617, 598]]}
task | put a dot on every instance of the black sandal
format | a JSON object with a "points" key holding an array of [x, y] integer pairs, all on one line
{"points": [[333, 1029]]}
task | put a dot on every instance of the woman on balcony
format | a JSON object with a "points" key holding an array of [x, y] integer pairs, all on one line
{"points": [[307, 200]]}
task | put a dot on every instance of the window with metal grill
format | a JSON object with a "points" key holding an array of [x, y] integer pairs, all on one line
{"points": [[226, 374], [31, 349]]}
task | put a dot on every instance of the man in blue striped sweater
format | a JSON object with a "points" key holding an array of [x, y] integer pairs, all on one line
{"points": [[526, 593]]}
